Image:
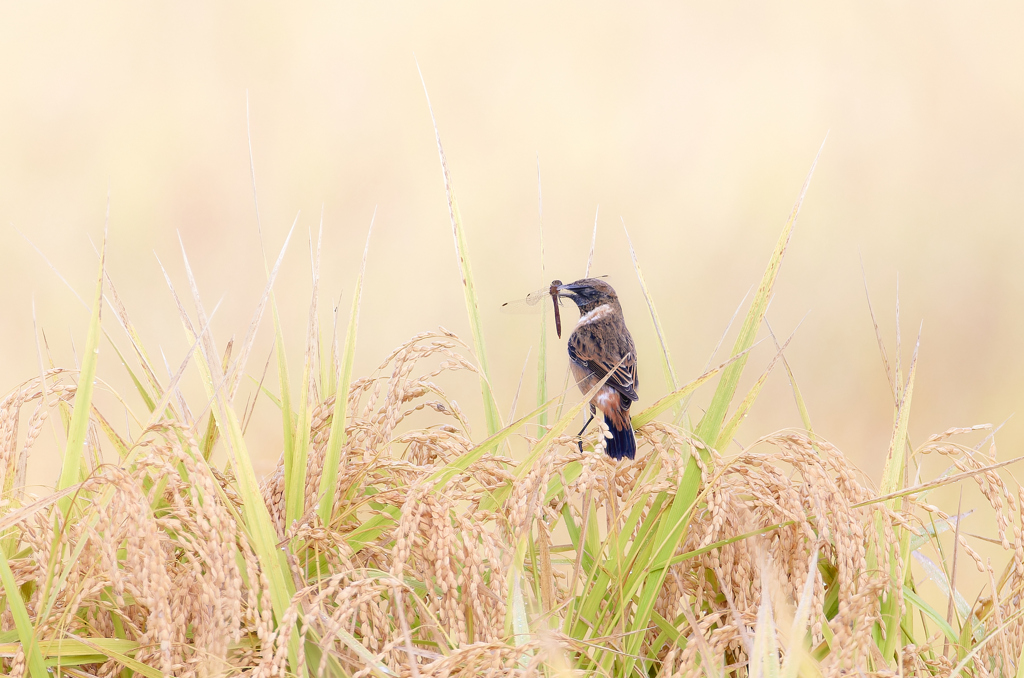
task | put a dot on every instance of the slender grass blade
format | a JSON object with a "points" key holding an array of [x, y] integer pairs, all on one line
{"points": [[78, 428], [468, 288], [22, 622], [337, 436]]}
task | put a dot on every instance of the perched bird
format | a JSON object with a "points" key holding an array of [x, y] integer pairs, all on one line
{"points": [[599, 343]]}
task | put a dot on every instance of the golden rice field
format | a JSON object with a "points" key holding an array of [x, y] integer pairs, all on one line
{"points": [[382, 549]]}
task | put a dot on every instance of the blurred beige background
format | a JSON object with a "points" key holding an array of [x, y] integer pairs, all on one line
{"points": [[694, 124]]}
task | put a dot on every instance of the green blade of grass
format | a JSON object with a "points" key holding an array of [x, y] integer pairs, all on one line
{"points": [[671, 399], [79, 425], [121, 315], [666, 359], [939, 482], [517, 604], [282, 364], [334, 368], [939, 620], [372, 528], [542, 354], [288, 427], [119, 443], [801, 406], [933, 530], [711, 424], [669, 632], [74, 651], [893, 471], [893, 479], [936, 574], [210, 437], [337, 436], [491, 415], [146, 398], [212, 432], [748, 401], [26, 633], [107, 649], [295, 492]]}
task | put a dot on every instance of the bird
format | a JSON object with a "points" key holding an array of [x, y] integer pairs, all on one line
{"points": [[599, 344]]}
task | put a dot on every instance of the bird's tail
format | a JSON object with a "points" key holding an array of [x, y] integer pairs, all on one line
{"points": [[623, 442]]}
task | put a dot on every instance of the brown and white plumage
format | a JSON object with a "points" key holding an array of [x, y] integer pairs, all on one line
{"points": [[601, 344]]}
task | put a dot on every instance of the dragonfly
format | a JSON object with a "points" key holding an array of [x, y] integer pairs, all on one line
{"points": [[533, 300]]}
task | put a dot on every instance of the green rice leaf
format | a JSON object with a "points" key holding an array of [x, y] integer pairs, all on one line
{"points": [[287, 417], [295, 492], [893, 472], [542, 354], [468, 288], [520, 624], [748, 401], [666, 359], [940, 620], [893, 479], [936, 528], [937, 575], [22, 622], [337, 438], [710, 425], [70, 472], [671, 399], [146, 398], [113, 650]]}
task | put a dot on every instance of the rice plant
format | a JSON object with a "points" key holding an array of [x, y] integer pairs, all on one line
{"points": [[382, 549]]}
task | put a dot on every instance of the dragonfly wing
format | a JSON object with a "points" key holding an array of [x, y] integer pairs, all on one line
{"points": [[531, 303]]}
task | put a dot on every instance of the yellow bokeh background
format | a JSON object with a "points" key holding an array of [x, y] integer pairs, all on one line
{"points": [[694, 125]]}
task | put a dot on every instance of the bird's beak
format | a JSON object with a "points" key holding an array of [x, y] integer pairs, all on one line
{"points": [[568, 290]]}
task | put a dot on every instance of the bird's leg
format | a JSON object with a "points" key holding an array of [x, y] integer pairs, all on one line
{"points": [[580, 434]]}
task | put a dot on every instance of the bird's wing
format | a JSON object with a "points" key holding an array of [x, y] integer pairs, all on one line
{"points": [[587, 351]]}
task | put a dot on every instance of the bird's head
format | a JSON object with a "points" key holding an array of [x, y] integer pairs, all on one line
{"points": [[589, 293]]}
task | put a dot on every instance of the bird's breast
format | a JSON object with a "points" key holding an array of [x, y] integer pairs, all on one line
{"points": [[602, 311]]}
